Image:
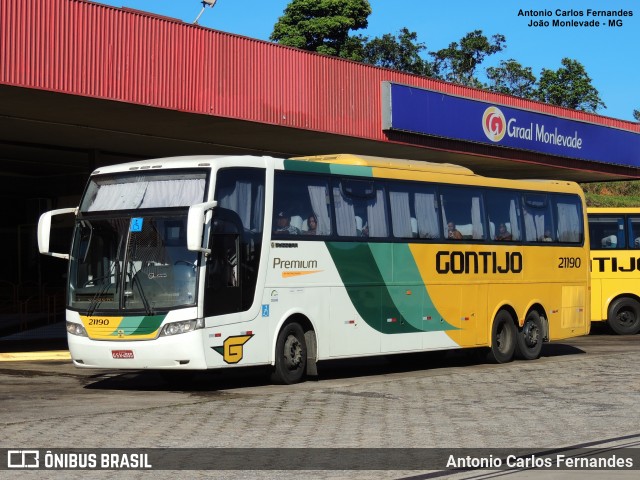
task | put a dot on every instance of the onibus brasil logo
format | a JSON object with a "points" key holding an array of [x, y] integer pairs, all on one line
{"points": [[495, 126]]}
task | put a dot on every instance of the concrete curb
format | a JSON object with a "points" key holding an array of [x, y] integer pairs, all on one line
{"points": [[34, 356]]}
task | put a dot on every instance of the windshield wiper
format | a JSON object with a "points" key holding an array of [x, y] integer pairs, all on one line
{"points": [[98, 297], [143, 296]]}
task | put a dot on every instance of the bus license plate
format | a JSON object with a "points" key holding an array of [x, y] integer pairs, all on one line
{"points": [[122, 353]]}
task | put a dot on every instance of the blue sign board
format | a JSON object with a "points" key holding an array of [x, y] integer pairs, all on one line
{"points": [[425, 112]]}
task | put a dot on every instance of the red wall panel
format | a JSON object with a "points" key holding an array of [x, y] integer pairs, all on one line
{"points": [[83, 48]]}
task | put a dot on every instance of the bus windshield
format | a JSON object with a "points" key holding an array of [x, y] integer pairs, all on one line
{"points": [[132, 263]]}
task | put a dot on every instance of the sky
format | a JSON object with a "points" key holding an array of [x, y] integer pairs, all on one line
{"points": [[609, 54]]}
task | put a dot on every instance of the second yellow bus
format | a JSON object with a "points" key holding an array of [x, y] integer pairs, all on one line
{"points": [[615, 268]]}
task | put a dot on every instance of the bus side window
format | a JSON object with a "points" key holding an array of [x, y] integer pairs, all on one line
{"points": [[568, 210], [301, 205], [503, 211], [537, 218], [360, 209], [633, 226], [606, 232], [463, 208], [414, 211]]}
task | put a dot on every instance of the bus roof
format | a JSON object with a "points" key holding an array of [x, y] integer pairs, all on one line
{"points": [[384, 162], [614, 210], [396, 168], [158, 163]]}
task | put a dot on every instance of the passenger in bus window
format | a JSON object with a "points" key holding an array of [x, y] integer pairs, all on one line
{"points": [[610, 241], [503, 234], [454, 233], [283, 225], [547, 236], [312, 225]]}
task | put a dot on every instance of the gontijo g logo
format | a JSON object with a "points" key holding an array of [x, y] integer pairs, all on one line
{"points": [[494, 124]]}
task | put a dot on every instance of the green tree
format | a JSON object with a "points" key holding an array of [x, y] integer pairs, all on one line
{"points": [[401, 52], [458, 62], [323, 26], [570, 87], [636, 115], [512, 78]]}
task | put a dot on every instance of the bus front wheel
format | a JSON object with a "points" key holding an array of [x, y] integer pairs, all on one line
{"points": [[624, 316], [503, 338], [530, 337], [291, 355]]}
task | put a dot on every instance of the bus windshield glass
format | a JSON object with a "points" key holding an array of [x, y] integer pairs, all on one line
{"points": [[133, 264], [136, 191]]}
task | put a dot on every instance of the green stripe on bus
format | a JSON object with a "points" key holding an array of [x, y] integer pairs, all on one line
{"points": [[133, 326], [326, 168], [404, 283], [381, 298]]}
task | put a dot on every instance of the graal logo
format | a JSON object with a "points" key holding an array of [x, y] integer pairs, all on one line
{"points": [[494, 124], [23, 458]]}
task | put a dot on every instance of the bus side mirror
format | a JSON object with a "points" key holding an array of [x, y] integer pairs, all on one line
{"points": [[195, 225], [44, 231]]}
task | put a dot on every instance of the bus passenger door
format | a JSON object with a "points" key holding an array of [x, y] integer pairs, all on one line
{"points": [[223, 291]]}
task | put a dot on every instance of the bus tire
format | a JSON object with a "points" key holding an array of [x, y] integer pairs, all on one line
{"points": [[503, 338], [530, 337], [291, 355], [624, 316]]}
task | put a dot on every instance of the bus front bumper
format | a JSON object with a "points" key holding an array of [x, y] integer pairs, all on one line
{"points": [[178, 352]]}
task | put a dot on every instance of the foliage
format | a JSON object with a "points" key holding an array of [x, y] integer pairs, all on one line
{"points": [[570, 87], [513, 79], [458, 62], [399, 53], [322, 25], [636, 115], [612, 194]]}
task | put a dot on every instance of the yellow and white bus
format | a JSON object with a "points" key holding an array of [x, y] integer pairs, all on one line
{"points": [[615, 268], [223, 261]]}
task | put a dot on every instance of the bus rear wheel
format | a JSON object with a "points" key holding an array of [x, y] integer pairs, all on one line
{"points": [[291, 355], [530, 337], [503, 338], [624, 316]]}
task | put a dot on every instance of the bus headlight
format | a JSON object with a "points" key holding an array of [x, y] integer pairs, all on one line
{"points": [[176, 328], [76, 329]]}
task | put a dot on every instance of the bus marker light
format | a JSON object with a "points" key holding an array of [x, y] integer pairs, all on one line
{"points": [[392, 320], [427, 318], [248, 332], [217, 335], [350, 322]]}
